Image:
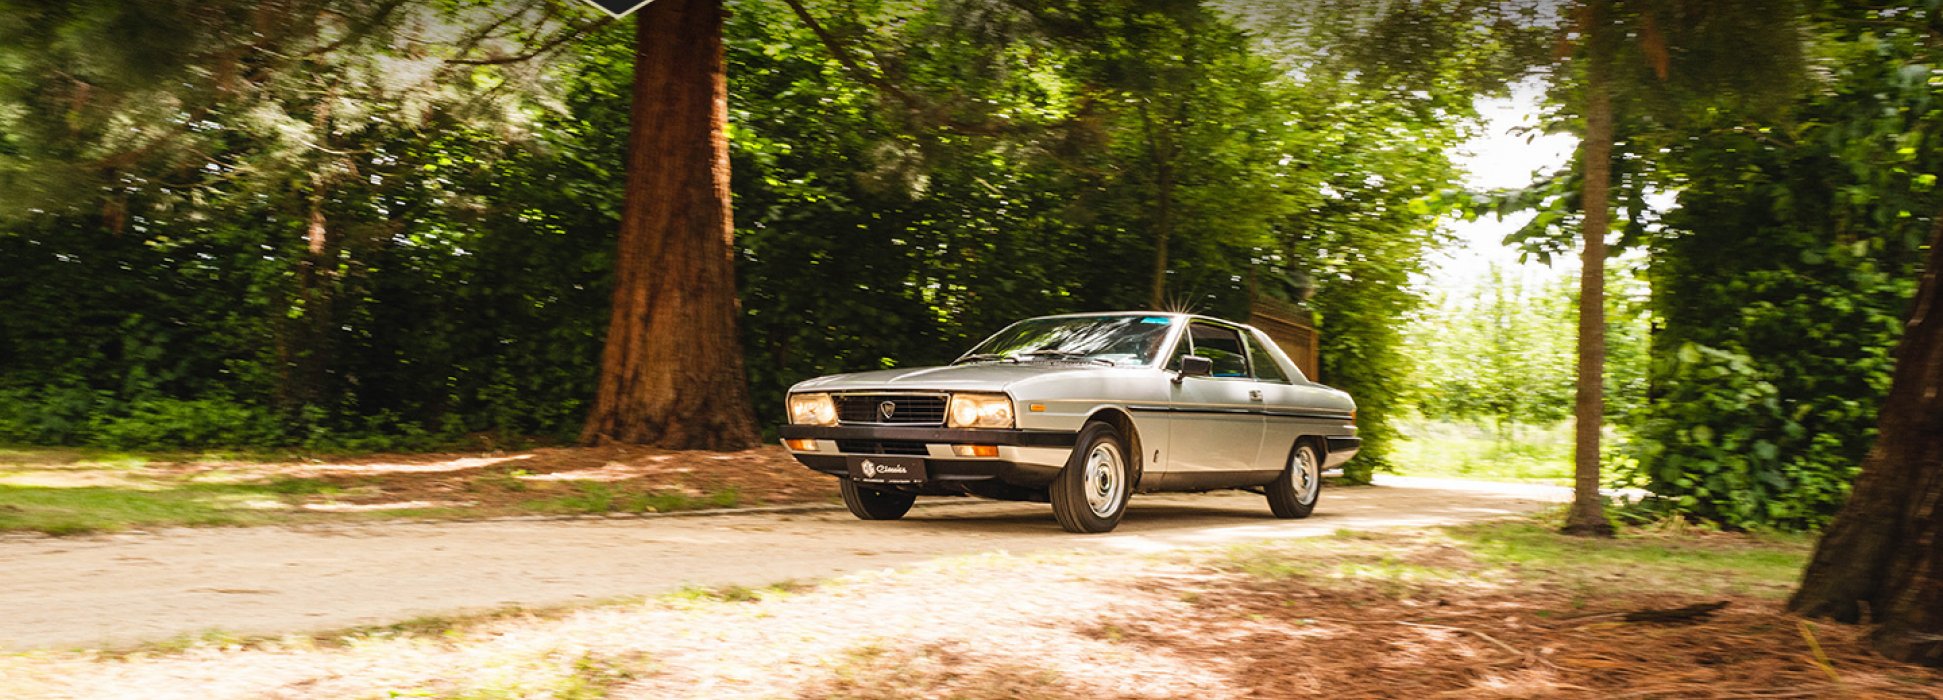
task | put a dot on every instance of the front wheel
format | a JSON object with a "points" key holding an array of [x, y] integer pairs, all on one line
{"points": [[871, 504], [1091, 493], [1295, 492]]}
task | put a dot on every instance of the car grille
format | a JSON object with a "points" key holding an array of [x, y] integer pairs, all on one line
{"points": [[883, 447], [912, 409]]}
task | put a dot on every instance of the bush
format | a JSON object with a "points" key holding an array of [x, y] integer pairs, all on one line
{"points": [[1722, 444], [176, 423], [50, 416]]}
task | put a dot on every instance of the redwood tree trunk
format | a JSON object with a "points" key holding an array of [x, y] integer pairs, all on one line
{"points": [[1160, 148], [1881, 560], [671, 372], [1587, 516]]}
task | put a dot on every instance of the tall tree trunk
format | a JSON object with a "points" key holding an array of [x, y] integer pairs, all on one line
{"points": [[1159, 146], [1882, 557], [671, 372], [303, 345], [1587, 516]]}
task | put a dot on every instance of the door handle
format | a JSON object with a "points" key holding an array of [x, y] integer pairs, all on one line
{"points": [[1254, 394]]}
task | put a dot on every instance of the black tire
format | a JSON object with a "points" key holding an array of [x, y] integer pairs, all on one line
{"points": [[1111, 486], [871, 504], [1292, 496]]}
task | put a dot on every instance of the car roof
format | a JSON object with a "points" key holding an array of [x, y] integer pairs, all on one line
{"points": [[1169, 314]]}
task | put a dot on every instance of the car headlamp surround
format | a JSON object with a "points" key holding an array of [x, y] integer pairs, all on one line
{"points": [[812, 409], [971, 410]]}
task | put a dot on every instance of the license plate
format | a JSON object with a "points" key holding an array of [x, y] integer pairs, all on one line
{"points": [[887, 470]]}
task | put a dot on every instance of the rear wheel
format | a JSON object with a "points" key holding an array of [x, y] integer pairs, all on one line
{"points": [[1091, 493], [1295, 492], [871, 504]]}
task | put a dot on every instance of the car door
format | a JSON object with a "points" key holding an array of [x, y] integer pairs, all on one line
{"points": [[1216, 426]]}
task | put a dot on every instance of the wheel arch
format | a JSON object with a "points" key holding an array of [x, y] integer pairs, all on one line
{"points": [[1122, 421]]}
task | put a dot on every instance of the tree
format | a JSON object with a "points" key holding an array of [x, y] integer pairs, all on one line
{"points": [[1587, 514], [671, 373], [1882, 557], [1638, 62]]}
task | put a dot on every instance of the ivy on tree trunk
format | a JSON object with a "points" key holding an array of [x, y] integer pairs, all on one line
{"points": [[671, 374]]}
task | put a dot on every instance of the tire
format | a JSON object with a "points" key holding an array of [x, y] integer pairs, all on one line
{"points": [[871, 504], [1090, 494], [1295, 492]]}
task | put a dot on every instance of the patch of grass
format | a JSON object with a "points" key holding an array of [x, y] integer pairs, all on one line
{"points": [[1532, 552], [73, 511], [694, 595], [1442, 449], [291, 486], [1643, 559]]}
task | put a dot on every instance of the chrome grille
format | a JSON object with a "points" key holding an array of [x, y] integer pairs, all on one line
{"points": [[883, 447], [907, 409]]}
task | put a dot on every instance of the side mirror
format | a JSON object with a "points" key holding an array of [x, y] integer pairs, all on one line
{"points": [[1194, 366]]}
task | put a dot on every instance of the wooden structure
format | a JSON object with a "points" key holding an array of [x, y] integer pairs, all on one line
{"points": [[1293, 328]]}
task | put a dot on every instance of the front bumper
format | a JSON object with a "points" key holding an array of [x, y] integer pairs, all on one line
{"points": [[1026, 458]]}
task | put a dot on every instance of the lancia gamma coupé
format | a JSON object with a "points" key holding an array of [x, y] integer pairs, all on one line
{"points": [[1080, 411]]}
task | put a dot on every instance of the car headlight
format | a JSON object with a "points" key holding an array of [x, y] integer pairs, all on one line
{"points": [[980, 411], [812, 409]]}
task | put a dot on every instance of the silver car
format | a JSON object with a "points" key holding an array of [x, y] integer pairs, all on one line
{"points": [[1081, 411]]}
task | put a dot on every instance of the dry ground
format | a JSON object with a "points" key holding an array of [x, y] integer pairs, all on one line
{"points": [[128, 588], [74, 491], [1479, 611]]}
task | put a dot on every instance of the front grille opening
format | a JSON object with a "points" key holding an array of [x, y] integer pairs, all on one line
{"points": [[904, 409], [883, 447]]}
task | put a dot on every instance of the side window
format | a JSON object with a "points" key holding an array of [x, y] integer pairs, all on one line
{"points": [[1223, 346], [1266, 369], [1181, 349]]}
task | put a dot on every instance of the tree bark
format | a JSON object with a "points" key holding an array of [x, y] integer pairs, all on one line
{"points": [[671, 372], [1881, 559], [1587, 516], [1160, 147]]}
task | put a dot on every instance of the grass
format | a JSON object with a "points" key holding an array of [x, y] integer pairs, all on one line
{"points": [[90, 509], [1444, 449], [72, 491], [1667, 557], [1501, 554]]}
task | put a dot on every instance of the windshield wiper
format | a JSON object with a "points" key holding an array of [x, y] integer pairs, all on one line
{"points": [[986, 357], [1068, 355]]}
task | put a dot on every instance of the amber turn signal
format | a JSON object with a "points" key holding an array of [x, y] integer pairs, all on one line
{"points": [[801, 445], [975, 450]]}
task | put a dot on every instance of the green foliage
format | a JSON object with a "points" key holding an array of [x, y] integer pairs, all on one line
{"points": [[1502, 351], [1510, 452], [468, 211], [1783, 281]]}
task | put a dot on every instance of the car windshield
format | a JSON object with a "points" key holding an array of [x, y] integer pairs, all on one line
{"points": [[1116, 340]]}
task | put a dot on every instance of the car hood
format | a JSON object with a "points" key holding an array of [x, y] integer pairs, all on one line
{"points": [[984, 375]]}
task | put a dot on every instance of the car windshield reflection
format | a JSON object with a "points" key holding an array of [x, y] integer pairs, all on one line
{"points": [[1123, 340]]}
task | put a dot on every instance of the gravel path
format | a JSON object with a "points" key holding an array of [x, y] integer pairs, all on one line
{"points": [[142, 587]]}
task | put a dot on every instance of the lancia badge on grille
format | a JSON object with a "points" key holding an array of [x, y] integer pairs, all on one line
{"points": [[887, 409]]}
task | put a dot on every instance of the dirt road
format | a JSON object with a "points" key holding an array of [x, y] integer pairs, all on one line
{"points": [[118, 590]]}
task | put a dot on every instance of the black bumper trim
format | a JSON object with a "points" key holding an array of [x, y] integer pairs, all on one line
{"points": [[954, 436], [1241, 411]]}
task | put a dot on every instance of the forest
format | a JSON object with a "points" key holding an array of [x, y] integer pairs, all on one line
{"points": [[365, 226]]}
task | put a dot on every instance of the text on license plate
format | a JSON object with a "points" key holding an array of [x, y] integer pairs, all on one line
{"points": [[887, 470]]}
